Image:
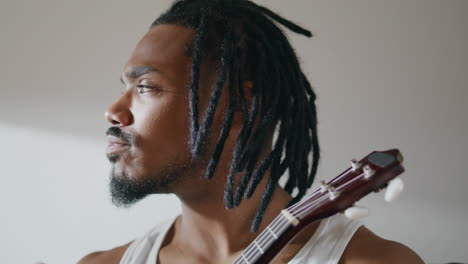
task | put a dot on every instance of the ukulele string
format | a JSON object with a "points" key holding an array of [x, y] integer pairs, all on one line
{"points": [[310, 207], [278, 226], [306, 209], [313, 197], [246, 254]]}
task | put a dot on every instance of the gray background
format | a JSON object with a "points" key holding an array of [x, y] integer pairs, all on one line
{"points": [[387, 74]]}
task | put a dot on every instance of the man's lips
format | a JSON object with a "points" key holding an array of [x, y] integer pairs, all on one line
{"points": [[116, 145]]}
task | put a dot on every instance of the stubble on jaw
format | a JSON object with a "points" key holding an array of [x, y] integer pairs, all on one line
{"points": [[126, 190]]}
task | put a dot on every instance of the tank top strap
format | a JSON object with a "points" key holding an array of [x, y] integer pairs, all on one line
{"points": [[329, 241], [145, 248]]}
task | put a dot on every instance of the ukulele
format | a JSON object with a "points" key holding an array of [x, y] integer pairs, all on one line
{"points": [[376, 171]]}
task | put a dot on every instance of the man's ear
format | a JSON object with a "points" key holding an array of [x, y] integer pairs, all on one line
{"points": [[248, 86]]}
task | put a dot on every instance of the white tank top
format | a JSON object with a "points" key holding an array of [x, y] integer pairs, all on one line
{"points": [[325, 247]]}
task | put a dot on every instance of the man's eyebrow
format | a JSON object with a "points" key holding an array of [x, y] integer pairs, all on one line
{"points": [[138, 71]]}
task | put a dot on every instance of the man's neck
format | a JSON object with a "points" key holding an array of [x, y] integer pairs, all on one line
{"points": [[207, 228]]}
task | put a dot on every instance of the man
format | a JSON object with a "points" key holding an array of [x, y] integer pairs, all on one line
{"points": [[205, 89]]}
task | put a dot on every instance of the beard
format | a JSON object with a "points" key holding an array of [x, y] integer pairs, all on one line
{"points": [[126, 190]]}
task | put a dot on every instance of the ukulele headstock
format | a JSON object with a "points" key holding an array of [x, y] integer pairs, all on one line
{"points": [[370, 174]]}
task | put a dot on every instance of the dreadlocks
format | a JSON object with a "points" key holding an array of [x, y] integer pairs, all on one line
{"points": [[247, 45]]}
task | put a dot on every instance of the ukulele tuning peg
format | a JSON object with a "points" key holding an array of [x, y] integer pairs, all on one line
{"points": [[324, 187], [355, 164], [394, 189], [333, 193], [368, 172], [356, 212]]}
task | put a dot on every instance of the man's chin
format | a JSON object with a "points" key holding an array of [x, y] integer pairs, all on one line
{"points": [[126, 190]]}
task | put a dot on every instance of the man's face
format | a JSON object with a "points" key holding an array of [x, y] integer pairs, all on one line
{"points": [[153, 114]]}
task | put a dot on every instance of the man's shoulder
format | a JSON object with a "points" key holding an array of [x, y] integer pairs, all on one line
{"points": [[366, 247], [110, 256]]}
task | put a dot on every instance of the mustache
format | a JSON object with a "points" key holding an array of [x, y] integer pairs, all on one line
{"points": [[120, 134]]}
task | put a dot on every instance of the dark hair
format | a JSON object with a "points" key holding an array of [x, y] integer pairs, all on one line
{"points": [[247, 45]]}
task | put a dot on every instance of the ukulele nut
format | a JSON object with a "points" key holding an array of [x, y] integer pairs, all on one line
{"points": [[290, 217]]}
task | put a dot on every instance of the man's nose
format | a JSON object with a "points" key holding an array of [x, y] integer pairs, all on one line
{"points": [[119, 113]]}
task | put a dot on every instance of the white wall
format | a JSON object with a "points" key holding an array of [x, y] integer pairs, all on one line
{"points": [[387, 74]]}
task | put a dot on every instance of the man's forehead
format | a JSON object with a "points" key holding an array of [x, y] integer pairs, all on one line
{"points": [[163, 41], [162, 47]]}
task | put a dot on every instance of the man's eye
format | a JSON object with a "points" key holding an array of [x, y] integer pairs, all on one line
{"points": [[146, 88]]}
